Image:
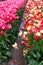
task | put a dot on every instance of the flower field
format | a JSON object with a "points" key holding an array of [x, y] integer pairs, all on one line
{"points": [[11, 12], [30, 35], [32, 32]]}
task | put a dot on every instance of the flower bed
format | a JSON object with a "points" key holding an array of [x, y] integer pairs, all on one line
{"points": [[32, 32], [11, 12]]}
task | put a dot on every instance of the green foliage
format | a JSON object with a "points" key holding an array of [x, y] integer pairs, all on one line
{"points": [[35, 54], [10, 37]]}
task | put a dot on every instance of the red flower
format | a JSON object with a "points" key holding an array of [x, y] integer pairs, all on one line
{"points": [[23, 28], [26, 43], [31, 47], [36, 37], [15, 61]]}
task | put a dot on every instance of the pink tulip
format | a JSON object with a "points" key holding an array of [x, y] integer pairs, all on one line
{"points": [[8, 26], [3, 27], [8, 12], [2, 33]]}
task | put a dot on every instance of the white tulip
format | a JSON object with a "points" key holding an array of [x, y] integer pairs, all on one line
{"points": [[20, 33], [15, 45], [25, 33], [38, 33]]}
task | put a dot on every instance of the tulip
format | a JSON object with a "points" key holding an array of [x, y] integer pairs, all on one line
{"points": [[36, 37], [8, 26], [8, 12]]}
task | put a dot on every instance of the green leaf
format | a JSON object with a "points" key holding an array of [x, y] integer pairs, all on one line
{"points": [[42, 10], [36, 46], [33, 54], [33, 62], [38, 56], [4, 57], [41, 47], [41, 63], [8, 53]]}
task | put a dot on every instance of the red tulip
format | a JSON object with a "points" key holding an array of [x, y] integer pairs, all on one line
{"points": [[15, 61], [36, 37]]}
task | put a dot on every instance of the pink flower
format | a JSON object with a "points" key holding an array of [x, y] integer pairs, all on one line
{"points": [[3, 27], [8, 12], [34, 29], [23, 36], [41, 24], [30, 22], [23, 28], [41, 27], [8, 26], [2, 33], [2, 24], [26, 39]]}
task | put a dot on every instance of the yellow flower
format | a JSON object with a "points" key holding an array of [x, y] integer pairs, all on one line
{"points": [[37, 23], [31, 15], [41, 31], [29, 27]]}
